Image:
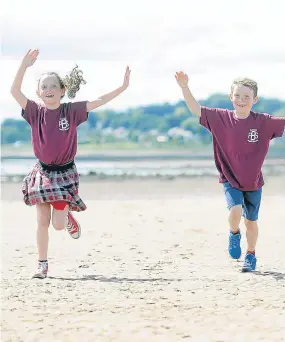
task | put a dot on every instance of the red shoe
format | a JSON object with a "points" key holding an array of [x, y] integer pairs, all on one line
{"points": [[73, 227]]}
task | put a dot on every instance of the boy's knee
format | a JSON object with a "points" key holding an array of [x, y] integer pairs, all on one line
{"points": [[236, 210], [250, 223]]}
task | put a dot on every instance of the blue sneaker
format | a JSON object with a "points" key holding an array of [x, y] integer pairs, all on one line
{"points": [[249, 263], [234, 245]]}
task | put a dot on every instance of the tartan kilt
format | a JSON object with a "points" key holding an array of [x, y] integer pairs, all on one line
{"points": [[42, 186]]}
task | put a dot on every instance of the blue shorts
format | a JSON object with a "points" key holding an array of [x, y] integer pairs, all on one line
{"points": [[249, 200]]}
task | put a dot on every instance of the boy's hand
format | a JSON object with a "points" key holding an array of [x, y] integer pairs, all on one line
{"points": [[127, 78], [182, 79], [30, 58]]}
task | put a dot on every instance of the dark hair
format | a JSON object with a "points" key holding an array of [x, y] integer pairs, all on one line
{"points": [[71, 82]]}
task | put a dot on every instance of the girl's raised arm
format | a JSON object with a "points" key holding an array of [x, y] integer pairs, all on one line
{"points": [[110, 96], [28, 60]]}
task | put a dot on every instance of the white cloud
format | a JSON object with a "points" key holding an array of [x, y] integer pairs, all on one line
{"points": [[213, 41]]}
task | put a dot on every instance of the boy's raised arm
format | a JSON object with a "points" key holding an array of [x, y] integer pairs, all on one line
{"points": [[192, 104]]}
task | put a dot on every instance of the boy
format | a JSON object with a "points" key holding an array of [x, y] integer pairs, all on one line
{"points": [[241, 140]]}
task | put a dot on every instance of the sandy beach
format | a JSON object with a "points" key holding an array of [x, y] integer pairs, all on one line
{"points": [[151, 265]]}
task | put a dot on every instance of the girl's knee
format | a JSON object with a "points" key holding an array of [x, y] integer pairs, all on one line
{"points": [[59, 218], [58, 226], [58, 222]]}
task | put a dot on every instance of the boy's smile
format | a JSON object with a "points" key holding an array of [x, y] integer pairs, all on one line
{"points": [[243, 99]]}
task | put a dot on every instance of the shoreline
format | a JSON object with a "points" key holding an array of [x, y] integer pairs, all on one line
{"points": [[271, 168], [92, 176], [91, 153]]}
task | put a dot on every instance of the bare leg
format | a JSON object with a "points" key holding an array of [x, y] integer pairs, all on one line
{"points": [[59, 218], [43, 218], [251, 234], [235, 217]]}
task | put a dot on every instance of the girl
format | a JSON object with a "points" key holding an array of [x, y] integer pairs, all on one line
{"points": [[54, 181]]}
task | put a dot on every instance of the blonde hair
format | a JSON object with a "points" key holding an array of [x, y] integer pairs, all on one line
{"points": [[71, 82], [247, 82]]}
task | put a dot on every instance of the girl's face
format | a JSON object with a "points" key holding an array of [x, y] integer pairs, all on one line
{"points": [[49, 90]]}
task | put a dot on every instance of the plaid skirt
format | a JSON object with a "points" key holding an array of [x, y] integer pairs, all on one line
{"points": [[44, 185]]}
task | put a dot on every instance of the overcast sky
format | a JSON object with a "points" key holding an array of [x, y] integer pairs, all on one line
{"points": [[212, 41]]}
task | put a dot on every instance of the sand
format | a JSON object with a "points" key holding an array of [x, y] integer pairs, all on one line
{"points": [[151, 265]]}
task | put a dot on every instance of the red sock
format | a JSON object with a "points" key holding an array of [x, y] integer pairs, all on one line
{"points": [[251, 252]]}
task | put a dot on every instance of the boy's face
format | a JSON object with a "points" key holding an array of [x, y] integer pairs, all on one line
{"points": [[242, 99], [49, 89]]}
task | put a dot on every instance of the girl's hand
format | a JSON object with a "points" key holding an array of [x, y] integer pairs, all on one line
{"points": [[126, 78], [182, 79], [30, 58]]}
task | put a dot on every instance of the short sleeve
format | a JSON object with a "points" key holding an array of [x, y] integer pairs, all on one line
{"points": [[31, 111], [211, 118], [79, 110], [274, 126]]}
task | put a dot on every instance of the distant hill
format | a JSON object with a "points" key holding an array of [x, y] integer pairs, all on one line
{"points": [[144, 123]]}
